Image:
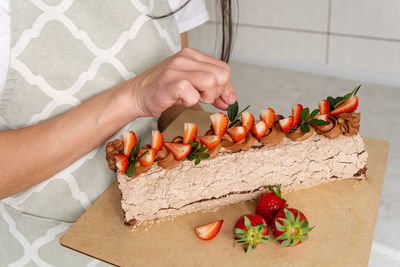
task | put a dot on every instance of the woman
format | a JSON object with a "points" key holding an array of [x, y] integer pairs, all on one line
{"points": [[57, 109]]}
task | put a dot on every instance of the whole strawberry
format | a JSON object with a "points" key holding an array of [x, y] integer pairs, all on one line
{"points": [[250, 230], [270, 203], [290, 227]]}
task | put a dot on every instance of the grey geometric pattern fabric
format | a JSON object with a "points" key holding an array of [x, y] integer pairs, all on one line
{"points": [[62, 53]]}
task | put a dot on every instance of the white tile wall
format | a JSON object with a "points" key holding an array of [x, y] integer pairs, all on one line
{"points": [[358, 35], [298, 14], [365, 54], [265, 43], [378, 18]]}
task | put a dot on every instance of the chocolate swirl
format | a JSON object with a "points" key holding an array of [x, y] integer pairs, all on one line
{"points": [[349, 123], [243, 145], [273, 137], [331, 130], [298, 135]]}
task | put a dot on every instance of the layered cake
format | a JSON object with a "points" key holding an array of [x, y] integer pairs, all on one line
{"points": [[237, 159]]}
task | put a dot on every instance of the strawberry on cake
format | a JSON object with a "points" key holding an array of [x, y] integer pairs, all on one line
{"points": [[238, 159]]}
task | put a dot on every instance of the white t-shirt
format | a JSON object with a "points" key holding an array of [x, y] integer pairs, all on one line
{"points": [[191, 16]]}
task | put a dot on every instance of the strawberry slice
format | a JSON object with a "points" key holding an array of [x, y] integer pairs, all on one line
{"points": [[268, 116], [247, 120], [237, 133], [157, 140], [210, 141], [323, 106], [259, 129], [219, 123], [286, 124], [296, 111], [180, 151], [148, 158], [348, 106], [122, 162], [190, 132], [208, 231], [130, 141], [322, 117]]}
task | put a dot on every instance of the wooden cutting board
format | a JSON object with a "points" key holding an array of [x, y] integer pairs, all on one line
{"points": [[343, 213]]}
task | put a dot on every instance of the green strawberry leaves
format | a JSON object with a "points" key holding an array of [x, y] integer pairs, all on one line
{"points": [[277, 191], [294, 229], [252, 236]]}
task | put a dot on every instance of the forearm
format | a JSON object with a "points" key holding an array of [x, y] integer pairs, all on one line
{"points": [[33, 154]]}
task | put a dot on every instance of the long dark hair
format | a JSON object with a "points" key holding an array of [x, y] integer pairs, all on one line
{"points": [[226, 10]]}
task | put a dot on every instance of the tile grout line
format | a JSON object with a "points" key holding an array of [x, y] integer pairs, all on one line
{"points": [[314, 32], [328, 32]]}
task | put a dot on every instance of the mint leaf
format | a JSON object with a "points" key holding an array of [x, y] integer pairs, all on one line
{"points": [[348, 96], [130, 170], [316, 122], [233, 111], [313, 113], [191, 157], [304, 113], [197, 161], [304, 128], [205, 156]]}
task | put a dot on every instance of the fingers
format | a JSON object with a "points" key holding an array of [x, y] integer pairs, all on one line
{"points": [[199, 56], [182, 63], [185, 94]]}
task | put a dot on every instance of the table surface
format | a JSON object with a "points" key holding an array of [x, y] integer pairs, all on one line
{"points": [[343, 212]]}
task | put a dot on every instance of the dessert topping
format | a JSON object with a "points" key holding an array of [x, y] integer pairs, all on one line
{"points": [[247, 120], [307, 119], [286, 124], [296, 111], [322, 117], [197, 152], [121, 162], [129, 142], [190, 132], [114, 147], [348, 106], [180, 151], [268, 116], [237, 133], [335, 103], [234, 115], [134, 158], [323, 106], [208, 231], [259, 129], [219, 123], [349, 123], [270, 203], [250, 230], [273, 137], [146, 156], [157, 140], [210, 141], [290, 227]]}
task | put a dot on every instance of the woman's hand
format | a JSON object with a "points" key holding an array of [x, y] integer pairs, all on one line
{"points": [[185, 78]]}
